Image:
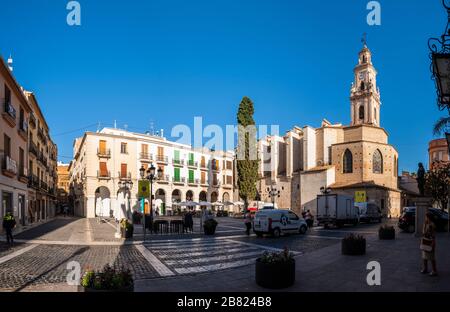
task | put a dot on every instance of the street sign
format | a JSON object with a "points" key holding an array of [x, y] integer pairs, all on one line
{"points": [[144, 189], [360, 197]]}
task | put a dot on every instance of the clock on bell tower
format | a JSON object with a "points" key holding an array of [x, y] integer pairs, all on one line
{"points": [[364, 93]]}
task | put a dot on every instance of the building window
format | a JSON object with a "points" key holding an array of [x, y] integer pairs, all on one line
{"points": [[124, 148], [103, 170], [377, 165], [102, 147], [361, 112], [176, 174], [329, 155], [21, 162], [123, 171], [395, 166], [191, 176], [203, 178], [7, 202], [348, 161]]}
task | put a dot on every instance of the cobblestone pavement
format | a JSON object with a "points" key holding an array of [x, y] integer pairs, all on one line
{"points": [[47, 264], [42, 263]]}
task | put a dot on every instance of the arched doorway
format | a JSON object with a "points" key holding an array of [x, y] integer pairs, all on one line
{"points": [[214, 197], [123, 207], [103, 202], [160, 201], [189, 196], [203, 196], [176, 198]]}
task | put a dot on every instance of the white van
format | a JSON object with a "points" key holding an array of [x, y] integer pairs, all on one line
{"points": [[277, 222], [369, 212]]}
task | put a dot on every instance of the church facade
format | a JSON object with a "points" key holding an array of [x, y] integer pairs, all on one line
{"points": [[356, 159]]}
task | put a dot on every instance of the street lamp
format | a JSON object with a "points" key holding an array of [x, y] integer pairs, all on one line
{"points": [[273, 193], [125, 187], [440, 64], [152, 175]]}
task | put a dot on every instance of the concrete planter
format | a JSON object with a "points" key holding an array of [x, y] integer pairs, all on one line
{"points": [[275, 275], [351, 247], [386, 233]]}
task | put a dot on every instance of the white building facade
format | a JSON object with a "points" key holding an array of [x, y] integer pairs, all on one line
{"points": [[111, 156]]}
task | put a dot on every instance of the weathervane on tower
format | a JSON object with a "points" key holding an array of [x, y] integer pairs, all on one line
{"points": [[364, 39]]}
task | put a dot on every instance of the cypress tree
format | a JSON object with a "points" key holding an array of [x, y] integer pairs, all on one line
{"points": [[247, 162]]}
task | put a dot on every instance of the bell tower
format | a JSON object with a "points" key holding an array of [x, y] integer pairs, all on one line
{"points": [[364, 93]]}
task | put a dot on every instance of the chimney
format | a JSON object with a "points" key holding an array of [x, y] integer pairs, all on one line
{"points": [[10, 63]]}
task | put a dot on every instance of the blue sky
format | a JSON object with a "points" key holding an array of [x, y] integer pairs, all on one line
{"points": [[168, 61]]}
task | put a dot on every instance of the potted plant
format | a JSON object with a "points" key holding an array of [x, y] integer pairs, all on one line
{"points": [[209, 226], [275, 270], [354, 245], [107, 280], [386, 232], [126, 228]]}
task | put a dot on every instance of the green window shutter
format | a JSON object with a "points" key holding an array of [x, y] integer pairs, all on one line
{"points": [[191, 159], [177, 155], [191, 176], [177, 174]]}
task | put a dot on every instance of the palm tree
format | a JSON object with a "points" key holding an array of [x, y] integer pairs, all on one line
{"points": [[441, 126]]}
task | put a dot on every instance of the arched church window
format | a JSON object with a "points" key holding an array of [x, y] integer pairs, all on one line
{"points": [[362, 86], [395, 166], [361, 112], [348, 161], [377, 165], [364, 60]]}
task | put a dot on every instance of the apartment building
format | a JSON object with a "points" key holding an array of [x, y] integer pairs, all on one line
{"points": [[62, 191], [353, 159], [13, 143], [42, 163], [106, 158], [28, 155]]}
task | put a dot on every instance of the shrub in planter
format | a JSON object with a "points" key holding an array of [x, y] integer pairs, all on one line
{"points": [[126, 228], [108, 280], [354, 245], [275, 270], [386, 232], [209, 226]]}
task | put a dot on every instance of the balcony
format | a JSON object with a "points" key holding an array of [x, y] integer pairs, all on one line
{"points": [[33, 181], [192, 164], [104, 152], [215, 167], [23, 129], [124, 176], [42, 136], [145, 157], [33, 121], [193, 182], [178, 162], [204, 183], [164, 179], [215, 184], [103, 175], [23, 177], [9, 167], [162, 159], [33, 149], [179, 181], [9, 113], [44, 186]]}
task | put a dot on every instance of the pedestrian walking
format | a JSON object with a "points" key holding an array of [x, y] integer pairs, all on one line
{"points": [[428, 245], [309, 218], [9, 223], [248, 223]]}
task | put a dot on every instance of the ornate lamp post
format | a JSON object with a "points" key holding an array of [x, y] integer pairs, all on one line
{"points": [[125, 187], [440, 64], [273, 193], [152, 175]]}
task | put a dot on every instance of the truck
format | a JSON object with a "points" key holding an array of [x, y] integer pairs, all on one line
{"points": [[337, 210]]}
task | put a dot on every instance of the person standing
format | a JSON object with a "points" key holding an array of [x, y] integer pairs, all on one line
{"points": [[309, 218], [248, 223], [428, 245], [9, 223]]}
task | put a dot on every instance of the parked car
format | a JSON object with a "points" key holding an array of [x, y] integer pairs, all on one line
{"points": [[407, 221], [277, 222], [369, 212]]}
